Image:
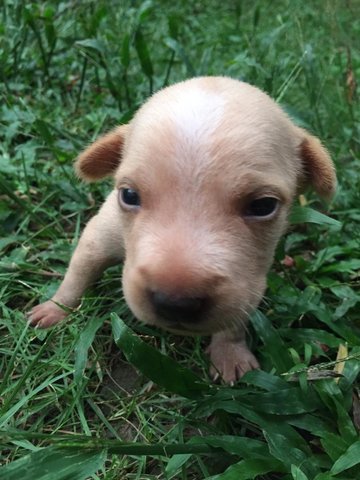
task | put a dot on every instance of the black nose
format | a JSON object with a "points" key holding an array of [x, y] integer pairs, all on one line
{"points": [[178, 309]]}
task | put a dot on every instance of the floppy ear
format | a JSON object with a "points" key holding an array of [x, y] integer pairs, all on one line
{"points": [[102, 157], [318, 168]]}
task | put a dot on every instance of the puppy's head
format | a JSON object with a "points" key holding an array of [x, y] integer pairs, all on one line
{"points": [[206, 173]]}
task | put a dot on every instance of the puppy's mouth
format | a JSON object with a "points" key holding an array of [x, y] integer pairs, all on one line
{"points": [[187, 315]]}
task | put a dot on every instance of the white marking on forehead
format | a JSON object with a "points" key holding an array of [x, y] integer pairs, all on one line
{"points": [[196, 114]]}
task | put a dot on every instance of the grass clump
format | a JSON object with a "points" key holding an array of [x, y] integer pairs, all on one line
{"points": [[71, 404]]}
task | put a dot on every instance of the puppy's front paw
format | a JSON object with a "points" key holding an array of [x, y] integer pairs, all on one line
{"points": [[46, 315], [230, 359]]}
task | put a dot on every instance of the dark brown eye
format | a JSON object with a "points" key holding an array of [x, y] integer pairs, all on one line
{"points": [[263, 207], [129, 198]]}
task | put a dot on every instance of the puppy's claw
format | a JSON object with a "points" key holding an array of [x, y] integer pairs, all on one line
{"points": [[216, 376]]}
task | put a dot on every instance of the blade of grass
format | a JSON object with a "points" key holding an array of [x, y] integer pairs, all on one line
{"points": [[83, 344], [12, 360], [4, 412], [77, 443], [144, 57], [9, 412]]}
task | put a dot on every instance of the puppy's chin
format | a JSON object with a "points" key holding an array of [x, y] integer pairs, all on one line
{"points": [[186, 329], [179, 328]]}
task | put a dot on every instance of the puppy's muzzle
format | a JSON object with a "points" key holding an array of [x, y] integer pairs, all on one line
{"points": [[179, 309]]}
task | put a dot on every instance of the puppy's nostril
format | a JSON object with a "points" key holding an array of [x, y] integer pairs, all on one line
{"points": [[176, 308]]}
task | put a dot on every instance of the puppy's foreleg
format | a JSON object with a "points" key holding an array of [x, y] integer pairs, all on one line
{"points": [[230, 356], [99, 247]]}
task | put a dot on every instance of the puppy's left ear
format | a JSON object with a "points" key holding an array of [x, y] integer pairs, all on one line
{"points": [[318, 168], [101, 158]]}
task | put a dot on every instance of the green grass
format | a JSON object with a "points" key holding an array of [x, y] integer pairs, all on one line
{"points": [[70, 402]]}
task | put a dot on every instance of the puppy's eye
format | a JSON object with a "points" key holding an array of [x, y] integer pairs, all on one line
{"points": [[263, 207], [129, 198]]}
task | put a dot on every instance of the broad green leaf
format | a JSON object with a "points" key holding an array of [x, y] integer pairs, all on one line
{"points": [[249, 469], [264, 380], [329, 391], [345, 306], [91, 44], [339, 327], [298, 474], [334, 445], [312, 423], [279, 447], [344, 291], [331, 254], [324, 476], [161, 369], [345, 424], [290, 401], [283, 402], [176, 462], [291, 453], [346, 266], [308, 215], [352, 366], [311, 335], [52, 462], [274, 347], [241, 446], [275, 425], [349, 459], [349, 298]]}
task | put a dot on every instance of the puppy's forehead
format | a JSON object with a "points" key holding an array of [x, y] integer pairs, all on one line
{"points": [[184, 115], [196, 114], [202, 128]]}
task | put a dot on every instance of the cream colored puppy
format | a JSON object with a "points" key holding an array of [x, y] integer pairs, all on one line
{"points": [[205, 175]]}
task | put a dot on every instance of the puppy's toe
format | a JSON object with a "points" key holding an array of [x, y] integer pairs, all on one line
{"points": [[46, 315], [245, 363], [230, 361]]}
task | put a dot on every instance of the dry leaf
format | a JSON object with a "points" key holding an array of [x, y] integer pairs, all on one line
{"points": [[341, 354]]}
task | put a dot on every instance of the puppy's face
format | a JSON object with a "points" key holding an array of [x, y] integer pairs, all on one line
{"points": [[209, 168], [205, 185]]}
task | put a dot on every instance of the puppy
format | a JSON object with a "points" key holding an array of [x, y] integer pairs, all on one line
{"points": [[205, 175]]}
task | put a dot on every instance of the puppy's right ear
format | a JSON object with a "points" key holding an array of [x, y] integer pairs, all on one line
{"points": [[102, 157]]}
